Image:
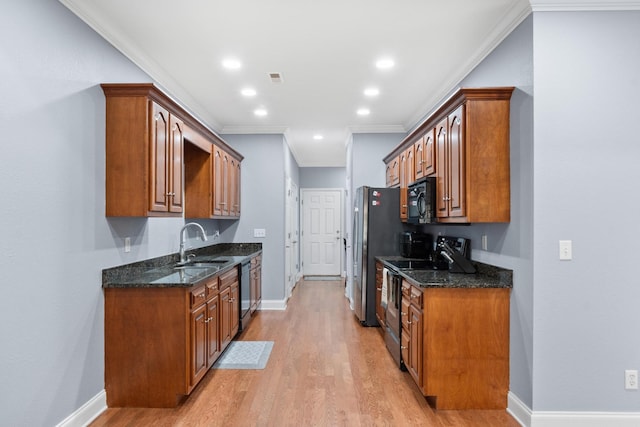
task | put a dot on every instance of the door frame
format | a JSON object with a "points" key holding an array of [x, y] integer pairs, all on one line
{"points": [[341, 199]]}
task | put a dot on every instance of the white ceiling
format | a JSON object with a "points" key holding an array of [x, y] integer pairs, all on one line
{"points": [[325, 50]]}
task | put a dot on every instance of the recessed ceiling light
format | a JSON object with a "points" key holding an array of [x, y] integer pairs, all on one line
{"points": [[231, 64], [363, 111], [371, 91], [384, 63], [248, 92], [318, 137], [260, 112]]}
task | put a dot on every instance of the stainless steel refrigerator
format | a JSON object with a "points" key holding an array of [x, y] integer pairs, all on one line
{"points": [[376, 232]]}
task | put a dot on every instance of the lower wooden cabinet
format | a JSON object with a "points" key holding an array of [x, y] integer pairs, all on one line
{"points": [[256, 283], [229, 315], [160, 342], [455, 344]]}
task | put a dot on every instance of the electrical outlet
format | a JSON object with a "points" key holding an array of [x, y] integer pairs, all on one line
{"points": [[631, 379], [565, 250], [127, 244], [259, 232]]}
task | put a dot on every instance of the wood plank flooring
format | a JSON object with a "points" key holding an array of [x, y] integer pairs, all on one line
{"points": [[324, 370]]}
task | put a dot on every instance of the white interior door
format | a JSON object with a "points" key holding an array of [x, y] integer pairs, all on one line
{"points": [[292, 248], [322, 232]]}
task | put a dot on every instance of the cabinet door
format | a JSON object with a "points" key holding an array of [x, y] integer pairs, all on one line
{"points": [[225, 318], [198, 344], [418, 155], [213, 336], [415, 344], [234, 312], [234, 197], [159, 152], [429, 159], [393, 172], [442, 187], [176, 155], [457, 186], [220, 177]]}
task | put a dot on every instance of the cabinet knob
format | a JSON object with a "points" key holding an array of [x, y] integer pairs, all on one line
{"points": [[201, 295], [402, 313], [379, 289], [206, 320], [403, 347], [409, 322]]}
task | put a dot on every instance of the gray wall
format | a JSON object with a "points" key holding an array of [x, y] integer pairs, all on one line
{"points": [[586, 151], [323, 177], [55, 237], [368, 150], [267, 162]]}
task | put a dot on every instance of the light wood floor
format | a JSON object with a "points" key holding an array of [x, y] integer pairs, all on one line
{"points": [[325, 370]]}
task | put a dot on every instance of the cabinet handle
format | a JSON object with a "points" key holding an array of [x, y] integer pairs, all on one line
{"points": [[210, 319], [206, 320]]}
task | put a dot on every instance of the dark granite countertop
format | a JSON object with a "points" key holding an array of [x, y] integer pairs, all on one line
{"points": [[486, 276], [160, 271]]}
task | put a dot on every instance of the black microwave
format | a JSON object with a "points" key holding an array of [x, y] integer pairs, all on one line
{"points": [[421, 201]]}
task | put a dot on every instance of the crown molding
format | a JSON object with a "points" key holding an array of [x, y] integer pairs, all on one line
{"points": [[583, 6], [377, 129]]}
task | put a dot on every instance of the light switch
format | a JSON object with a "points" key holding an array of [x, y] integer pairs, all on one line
{"points": [[565, 250]]}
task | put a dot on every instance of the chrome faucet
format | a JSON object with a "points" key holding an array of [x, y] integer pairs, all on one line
{"points": [[183, 238]]}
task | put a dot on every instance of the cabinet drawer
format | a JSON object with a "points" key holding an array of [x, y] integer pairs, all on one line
{"points": [[197, 296], [212, 288], [404, 314], [228, 278], [406, 289], [416, 297]]}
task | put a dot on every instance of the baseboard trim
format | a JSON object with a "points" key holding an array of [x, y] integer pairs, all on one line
{"points": [[518, 410], [528, 418], [279, 304], [88, 412]]}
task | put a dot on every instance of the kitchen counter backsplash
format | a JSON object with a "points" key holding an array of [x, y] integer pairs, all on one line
{"points": [[486, 276], [138, 271]]}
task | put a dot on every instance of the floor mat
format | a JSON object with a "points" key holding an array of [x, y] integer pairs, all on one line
{"points": [[245, 355]]}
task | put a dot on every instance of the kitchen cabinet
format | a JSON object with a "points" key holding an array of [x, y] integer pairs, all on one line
{"points": [[407, 176], [229, 309], [159, 342], [144, 149], [380, 309], [204, 340], [226, 184], [393, 172], [456, 344], [450, 181], [471, 145], [255, 274], [160, 159]]}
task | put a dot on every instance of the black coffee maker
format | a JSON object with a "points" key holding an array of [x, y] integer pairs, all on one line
{"points": [[453, 254]]}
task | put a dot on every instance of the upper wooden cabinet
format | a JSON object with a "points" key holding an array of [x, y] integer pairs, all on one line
{"points": [[468, 139], [393, 171], [144, 163], [159, 158], [407, 176]]}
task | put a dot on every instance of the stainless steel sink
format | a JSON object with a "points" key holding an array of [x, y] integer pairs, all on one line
{"points": [[200, 264]]}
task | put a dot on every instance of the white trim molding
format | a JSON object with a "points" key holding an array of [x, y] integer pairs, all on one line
{"points": [[88, 412], [273, 304], [528, 418], [583, 5]]}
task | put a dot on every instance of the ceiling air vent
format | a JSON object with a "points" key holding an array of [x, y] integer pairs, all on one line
{"points": [[275, 77]]}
